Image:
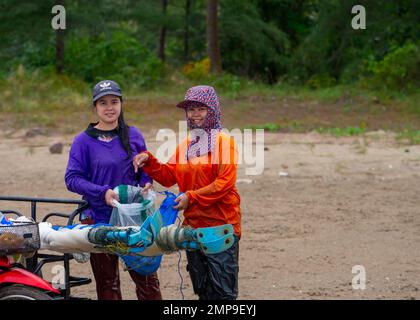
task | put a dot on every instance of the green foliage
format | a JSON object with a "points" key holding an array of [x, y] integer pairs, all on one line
{"points": [[333, 48], [251, 46], [200, 72], [319, 81], [410, 136], [197, 70], [271, 127], [308, 42], [29, 92], [34, 56], [398, 70], [341, 132], [228, 83], [286, 125], [119, 57]]}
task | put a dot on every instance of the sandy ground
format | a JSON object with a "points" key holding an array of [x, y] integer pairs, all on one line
{"points": [[345, 202]]}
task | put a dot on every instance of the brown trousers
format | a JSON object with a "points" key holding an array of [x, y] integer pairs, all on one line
{"points": [[105, 269]]}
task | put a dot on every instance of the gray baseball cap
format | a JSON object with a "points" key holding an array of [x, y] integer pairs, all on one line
{"points": [[104, 88]]}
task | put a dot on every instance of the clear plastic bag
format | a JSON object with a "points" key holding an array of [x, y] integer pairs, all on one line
{"points": [[133, 207]]}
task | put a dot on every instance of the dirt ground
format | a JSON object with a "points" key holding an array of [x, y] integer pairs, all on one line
{"points": [[344, 202]]}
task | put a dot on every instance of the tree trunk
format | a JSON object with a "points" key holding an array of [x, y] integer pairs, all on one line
{"points": [[162, 33], [213, 49], [187, 30], [59, 45]]}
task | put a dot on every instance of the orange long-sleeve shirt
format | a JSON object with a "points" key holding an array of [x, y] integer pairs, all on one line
{"points": [[209, 182]]}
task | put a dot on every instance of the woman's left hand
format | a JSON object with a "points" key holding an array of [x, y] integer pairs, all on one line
{"points": [[182, 201], [148, 186]]}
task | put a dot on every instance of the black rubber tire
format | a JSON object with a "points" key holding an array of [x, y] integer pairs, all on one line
{"points": [[20, 292]]}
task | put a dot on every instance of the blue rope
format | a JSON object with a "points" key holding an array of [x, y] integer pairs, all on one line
{"points": [[179, 268]]}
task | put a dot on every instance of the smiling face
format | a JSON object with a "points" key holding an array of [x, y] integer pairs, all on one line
{"points": [[197, 114], [108, 109]]}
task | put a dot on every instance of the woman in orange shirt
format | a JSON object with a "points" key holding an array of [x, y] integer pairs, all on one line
{"points": [[204, 167]]}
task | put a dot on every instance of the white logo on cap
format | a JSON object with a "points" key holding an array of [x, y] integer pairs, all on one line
{"points": [[105, 84]]}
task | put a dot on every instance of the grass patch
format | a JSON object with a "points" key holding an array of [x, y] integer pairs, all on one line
{"points": [[409, 136], [43, 98], [287, 126], [342, 132], [41, 91], [271, 127]]}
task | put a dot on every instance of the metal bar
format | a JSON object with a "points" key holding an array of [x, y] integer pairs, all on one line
{"points": [[12, 212], [33, 210], [44, 261], [50, 256], [73, 215], [32, 263], [55, 214], [67, 276], [47, 200]]}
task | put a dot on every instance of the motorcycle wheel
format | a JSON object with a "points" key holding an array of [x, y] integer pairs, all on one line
{"points": [[20, 292]]}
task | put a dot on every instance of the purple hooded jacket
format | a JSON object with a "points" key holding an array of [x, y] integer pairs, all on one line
{"points": [[95, 166]]}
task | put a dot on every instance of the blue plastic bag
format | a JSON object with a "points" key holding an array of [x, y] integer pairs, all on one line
{"points": [[148, 265]]}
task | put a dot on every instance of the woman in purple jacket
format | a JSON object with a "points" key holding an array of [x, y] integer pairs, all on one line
{"points": [[100, 159]]}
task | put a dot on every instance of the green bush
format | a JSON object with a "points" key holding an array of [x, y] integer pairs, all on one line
{"points": [[228, 83], [43, 90], [119, 57], [398, 70], [35, 56], [319, 81], [197, 70]]}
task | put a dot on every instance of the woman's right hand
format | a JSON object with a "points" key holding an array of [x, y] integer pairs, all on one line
{"points": [[140, 160], [110, 195]]}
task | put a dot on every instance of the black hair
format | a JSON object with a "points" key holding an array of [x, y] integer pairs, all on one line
{"points": [[123, 131]]}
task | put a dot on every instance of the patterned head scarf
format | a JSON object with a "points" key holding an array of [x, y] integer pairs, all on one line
{"points": [[207, 96]]}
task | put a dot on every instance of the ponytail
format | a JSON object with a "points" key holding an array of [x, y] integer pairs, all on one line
{"points": [[123, 134]]}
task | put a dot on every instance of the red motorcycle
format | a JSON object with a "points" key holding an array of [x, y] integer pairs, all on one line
{"points": [[16, 283], [19, 282]]}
